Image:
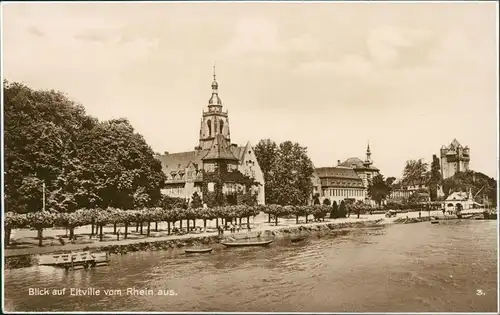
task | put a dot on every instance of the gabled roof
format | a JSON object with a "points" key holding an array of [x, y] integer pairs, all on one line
{"points": [[238, 152], [455, 143], [337, 172], [220, 150], [179, 161], [458, 195]]}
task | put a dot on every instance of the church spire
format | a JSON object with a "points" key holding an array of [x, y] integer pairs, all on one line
{"points": [[368, 155], [214, 121], [215, 100]]}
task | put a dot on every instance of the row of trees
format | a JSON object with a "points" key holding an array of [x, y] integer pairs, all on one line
{"points": [[98, 218]]}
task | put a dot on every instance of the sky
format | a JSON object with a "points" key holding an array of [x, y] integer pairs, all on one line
{"points": [[406, 78]]}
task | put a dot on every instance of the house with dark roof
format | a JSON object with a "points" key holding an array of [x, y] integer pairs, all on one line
{"points": [[347, 180], [184, 170]]}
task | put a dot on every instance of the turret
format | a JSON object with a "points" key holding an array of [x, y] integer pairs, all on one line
{"points": [[214, 121]]}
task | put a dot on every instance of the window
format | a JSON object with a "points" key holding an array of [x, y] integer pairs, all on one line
{"points": [[211, 186], [209, 167], [221, 126], [209, 125]]}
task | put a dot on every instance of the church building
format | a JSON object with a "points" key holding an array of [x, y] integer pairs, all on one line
{"points": [[214, 151]]}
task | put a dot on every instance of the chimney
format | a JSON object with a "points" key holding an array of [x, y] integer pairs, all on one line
{"points": [[338, 162]]}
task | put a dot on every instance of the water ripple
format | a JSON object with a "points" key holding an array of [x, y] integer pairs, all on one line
{"points": [[400, 268]]}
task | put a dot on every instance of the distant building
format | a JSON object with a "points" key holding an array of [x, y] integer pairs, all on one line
{"points": [[454, 159], [364, 169], [347, 180], [403, 190], [460, 201], [339, 183], [184, 170]]}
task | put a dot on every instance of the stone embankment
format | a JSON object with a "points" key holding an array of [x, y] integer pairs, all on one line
{"points": [[271, 232]]}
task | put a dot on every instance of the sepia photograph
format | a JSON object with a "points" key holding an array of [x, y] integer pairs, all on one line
{"points": [[249, 157]]}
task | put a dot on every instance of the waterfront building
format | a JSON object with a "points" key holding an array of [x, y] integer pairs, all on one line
{"points": [[214, 151], [459, 201], [454, 159], [348, 180]]}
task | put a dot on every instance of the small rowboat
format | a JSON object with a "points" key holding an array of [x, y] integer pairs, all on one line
{"points": [[297, 239], [243, 244], [434, 222], [198, 250]]}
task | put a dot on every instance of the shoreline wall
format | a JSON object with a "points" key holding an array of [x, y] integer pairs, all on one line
{"points": [[28, 260]]}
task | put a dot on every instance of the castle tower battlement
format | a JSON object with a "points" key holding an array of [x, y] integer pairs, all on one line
{"points": [[454, 159]]}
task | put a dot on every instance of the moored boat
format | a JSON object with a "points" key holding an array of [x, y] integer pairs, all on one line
{"points": [[243, 244], [297, 239], [198, 250], [75, 259]]}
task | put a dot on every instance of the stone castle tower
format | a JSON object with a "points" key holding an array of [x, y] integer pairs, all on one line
{"points": [[214, 121], [454, 159]]}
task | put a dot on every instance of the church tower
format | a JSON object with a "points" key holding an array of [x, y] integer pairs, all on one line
{"points": [[214, 121]]}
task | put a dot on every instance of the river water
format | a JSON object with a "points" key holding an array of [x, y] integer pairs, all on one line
{"points": [[422, 267]]}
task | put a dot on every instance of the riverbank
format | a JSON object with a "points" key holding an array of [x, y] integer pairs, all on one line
{"points": [[25, 257], [21, 258]]}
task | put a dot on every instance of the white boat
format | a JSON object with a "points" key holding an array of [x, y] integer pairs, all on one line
{"points": [[77, 259]]}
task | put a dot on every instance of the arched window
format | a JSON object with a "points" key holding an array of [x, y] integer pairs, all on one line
{"points": [[209, 125], [221, 126]]}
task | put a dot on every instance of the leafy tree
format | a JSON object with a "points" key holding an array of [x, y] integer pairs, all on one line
{"points": [[435, 177], [419, 196], [316, 200], [415, 171], [41, 128], [289, 172], [327, 202], [342, 210], [380, 188], [356, 206], [266, 152], [335, 210], [167, 202], [84, 163], [121, 166], [248, 198], [196, 201]]}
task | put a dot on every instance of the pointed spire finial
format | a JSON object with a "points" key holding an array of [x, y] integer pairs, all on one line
{"points": [[214, 70]]}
